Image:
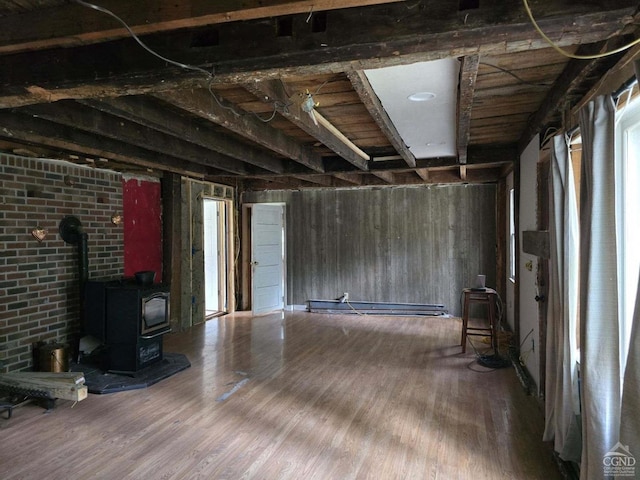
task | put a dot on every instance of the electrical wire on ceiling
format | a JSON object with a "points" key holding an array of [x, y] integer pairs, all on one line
{"points": [[569, 54], [137, 39], [519, 79], [209, 75], [549, 133]]}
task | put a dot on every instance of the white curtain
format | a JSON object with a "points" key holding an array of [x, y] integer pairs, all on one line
{"points": [[630, 414], [562, 404], [599, 349]]}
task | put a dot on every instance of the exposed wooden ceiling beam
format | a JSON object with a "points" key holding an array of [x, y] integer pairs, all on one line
{"points": [[319, 180], [74, 24], [472, 176], [72, 114], [281, 183], [374, 106], [506, 170], [291, 182], [559, 98], [463, 171], [202, 104], [615, 76], [313, 122], [476, 155], [466, 88], [448, 176], [351, 43], [423, 173], [41, 132], [23, 150], [351, 178], [388, 177], [480, 157], [154, 115]]}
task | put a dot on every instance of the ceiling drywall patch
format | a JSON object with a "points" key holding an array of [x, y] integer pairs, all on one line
{"points": [[428, 127]]}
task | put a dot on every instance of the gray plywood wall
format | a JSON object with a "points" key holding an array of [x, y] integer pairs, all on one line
{"points": [[402, 244]]}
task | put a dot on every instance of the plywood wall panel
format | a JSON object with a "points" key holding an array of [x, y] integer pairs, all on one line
{"points": [[422, 244]]}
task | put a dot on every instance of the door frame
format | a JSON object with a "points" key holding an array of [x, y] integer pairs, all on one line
{"points": [[245, 248], [191, 268], [224, 265]]}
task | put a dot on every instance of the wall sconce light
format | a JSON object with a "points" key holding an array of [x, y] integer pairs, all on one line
{"points": [[69, 180], [116, 219], [39, 233]]}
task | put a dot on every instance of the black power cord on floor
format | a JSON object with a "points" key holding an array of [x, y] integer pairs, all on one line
{"points": [[494, 361]]}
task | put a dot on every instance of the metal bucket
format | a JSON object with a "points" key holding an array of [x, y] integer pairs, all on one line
{"points": [[53, 357]]}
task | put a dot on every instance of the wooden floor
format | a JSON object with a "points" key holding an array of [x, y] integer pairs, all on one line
{"points": [[296, 396]]}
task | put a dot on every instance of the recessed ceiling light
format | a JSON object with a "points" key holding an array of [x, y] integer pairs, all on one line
{"points": [[421, 96]]}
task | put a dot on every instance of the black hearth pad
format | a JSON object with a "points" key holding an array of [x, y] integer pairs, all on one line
{"points": [[98, 381]]}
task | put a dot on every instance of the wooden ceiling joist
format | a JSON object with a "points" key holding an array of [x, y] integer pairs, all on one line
{"points": [[406, 178], [75, 86], [312, 122], [388, 177], [66, 139], [620, 73], [374, 106], [318, 180], [423, 173], [396, 171], [72, 114], [351, 44], [574, 74], [350, 178], [463, 172], [144, 111], [69, 24], [466, 89], [202, 104]]}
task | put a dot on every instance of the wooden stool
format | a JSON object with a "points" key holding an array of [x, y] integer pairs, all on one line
{"points": [[487, 297]]}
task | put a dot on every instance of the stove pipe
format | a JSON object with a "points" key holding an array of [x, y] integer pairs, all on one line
{"points": [[72, 232]]}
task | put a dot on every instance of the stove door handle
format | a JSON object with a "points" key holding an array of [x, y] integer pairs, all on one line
{"points": [[162, 332]]}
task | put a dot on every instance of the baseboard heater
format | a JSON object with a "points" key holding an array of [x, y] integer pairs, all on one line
{"points": [[374, 308]]}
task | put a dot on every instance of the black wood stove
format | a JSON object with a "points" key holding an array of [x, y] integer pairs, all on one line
{"points": [[129, 319]]}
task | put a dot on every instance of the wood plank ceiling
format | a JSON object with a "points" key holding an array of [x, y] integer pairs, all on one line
{"points": [[225, 102]]}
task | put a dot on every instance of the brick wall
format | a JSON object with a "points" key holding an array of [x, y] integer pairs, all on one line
{"points": [[39, 294]]}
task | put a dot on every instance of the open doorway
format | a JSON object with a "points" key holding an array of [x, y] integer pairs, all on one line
{"points": [[215, 257], [192, 306]]}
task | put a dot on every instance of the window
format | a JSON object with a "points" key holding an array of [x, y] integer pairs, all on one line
{"points": [[628, 217], [627, 158]]}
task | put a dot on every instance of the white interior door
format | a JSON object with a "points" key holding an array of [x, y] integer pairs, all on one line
{"points": [[267, 258]]}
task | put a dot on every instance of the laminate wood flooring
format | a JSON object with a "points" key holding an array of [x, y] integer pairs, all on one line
{"points": [[296, 395]]}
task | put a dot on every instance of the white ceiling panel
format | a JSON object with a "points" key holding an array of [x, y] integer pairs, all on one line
{"points": [[427, 126]]}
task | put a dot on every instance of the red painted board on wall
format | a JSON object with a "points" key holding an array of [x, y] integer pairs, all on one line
{"points": [[142, 210]]}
